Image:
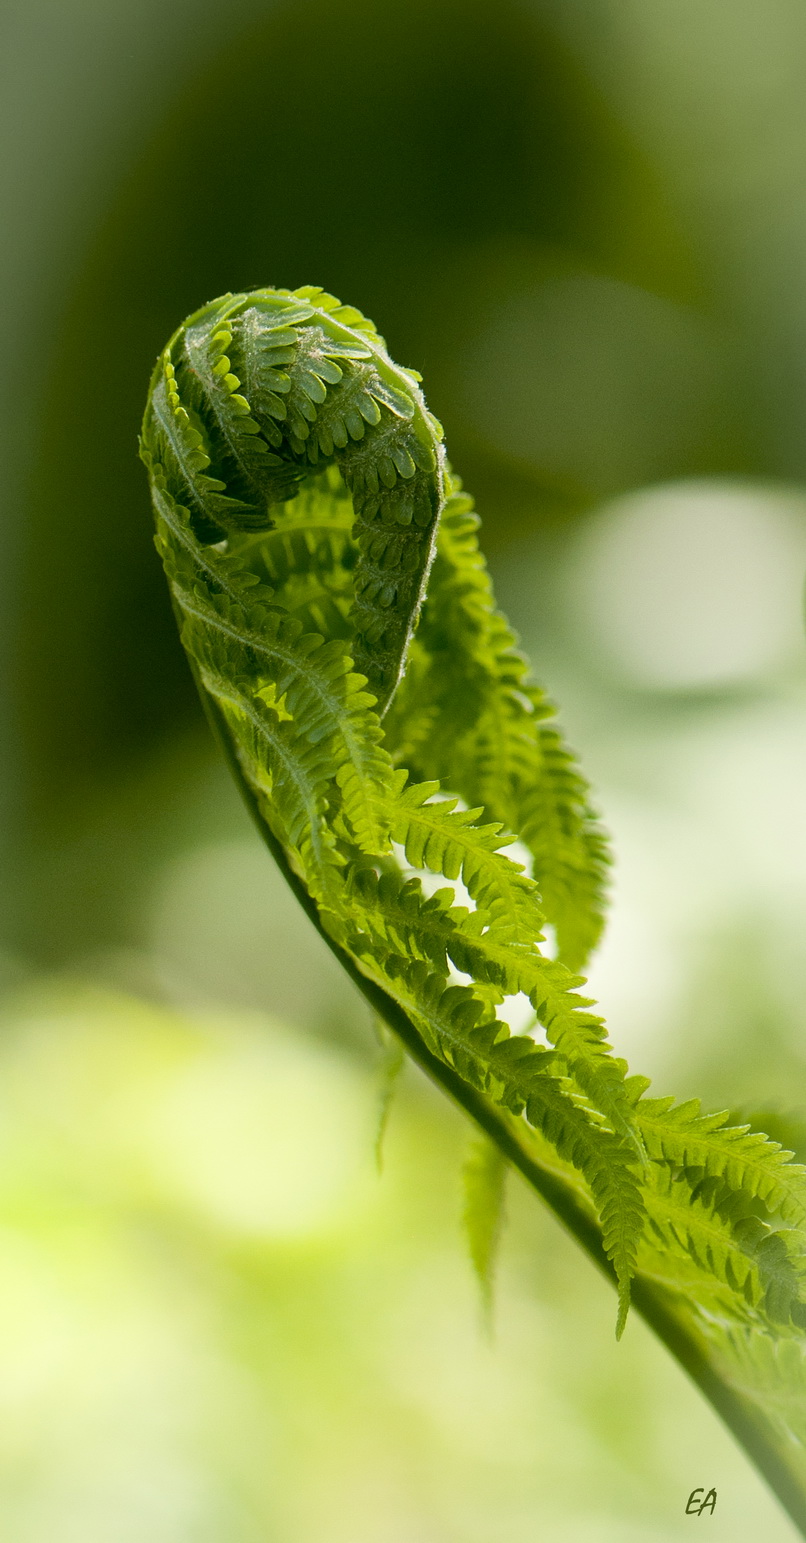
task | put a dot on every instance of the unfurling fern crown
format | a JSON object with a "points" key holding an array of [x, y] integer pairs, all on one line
{"points": [[338, 615]]}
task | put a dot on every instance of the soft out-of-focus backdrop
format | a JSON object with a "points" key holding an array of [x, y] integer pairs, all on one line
{"points": [[585, 222]]}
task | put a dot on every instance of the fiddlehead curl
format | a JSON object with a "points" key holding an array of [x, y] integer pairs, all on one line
{"points": [[257, 393], [382, 734]]}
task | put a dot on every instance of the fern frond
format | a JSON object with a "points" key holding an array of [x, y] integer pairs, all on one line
{"points": [[391, 1067], [290, 778], [717, 1229], [468, 715], [299, 490], [332, 394], [251, 638], [607, 1163], [481, 944], [522, 1077], [450, 842], [484, 1176], [748, 1161]]}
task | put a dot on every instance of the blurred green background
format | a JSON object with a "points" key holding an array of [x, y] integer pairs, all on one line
{"points": [[585, 222]]}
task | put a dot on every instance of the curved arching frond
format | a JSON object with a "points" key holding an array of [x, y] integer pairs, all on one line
{"points": [[336, 609]]}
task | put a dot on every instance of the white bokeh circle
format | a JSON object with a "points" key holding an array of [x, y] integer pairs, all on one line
{"points": [[693, 584]]}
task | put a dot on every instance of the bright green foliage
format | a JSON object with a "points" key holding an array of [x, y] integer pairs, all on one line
{"points": [[255, 394], [390, 737], [484, 1175], [394, 1057], [468, 714]]}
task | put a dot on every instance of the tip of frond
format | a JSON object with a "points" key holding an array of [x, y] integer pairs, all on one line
{"points": [[623, 1307], [484, 1181], [391, 1067]]}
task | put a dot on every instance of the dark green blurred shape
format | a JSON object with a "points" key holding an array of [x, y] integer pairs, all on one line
{"points": [[423, 160], [375, 150]]}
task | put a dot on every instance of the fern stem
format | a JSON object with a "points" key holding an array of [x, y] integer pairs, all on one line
{"points": [[757, 1438]]}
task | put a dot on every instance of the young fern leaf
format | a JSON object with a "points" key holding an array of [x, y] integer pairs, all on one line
{"points": [[467, 714], [751, 1164], [391, 1067], [206, 437], [484, 1182], [300, 492]]}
